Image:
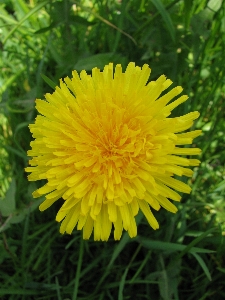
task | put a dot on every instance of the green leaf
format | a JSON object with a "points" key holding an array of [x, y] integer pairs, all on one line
{"points": [[122, 284], [220, 186], [214, 4], [51, 83], [173, 247], [166, 17], [15, 291], [97, 60], [203, 265], [221, 270], [81, 21], [31, 12], [48, 28], [10, 81], [190, 247], [8, 205], [18, 216], [188, 7]]}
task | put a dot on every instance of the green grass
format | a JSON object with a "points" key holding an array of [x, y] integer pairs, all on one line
{"points": [[43, 41]]}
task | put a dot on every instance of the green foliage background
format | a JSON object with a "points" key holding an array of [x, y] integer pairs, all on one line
{"points": [[43, 41]]}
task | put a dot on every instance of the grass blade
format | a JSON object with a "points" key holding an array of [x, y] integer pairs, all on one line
{"points": [[51, 83], [77, 278], [203, 265], [165, 246], [166, 17]]}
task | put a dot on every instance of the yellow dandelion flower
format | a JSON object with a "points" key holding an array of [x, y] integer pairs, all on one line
{"points": [[105, 144]]}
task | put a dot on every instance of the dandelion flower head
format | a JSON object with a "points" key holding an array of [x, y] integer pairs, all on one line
{"points": [[106, 146]]}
